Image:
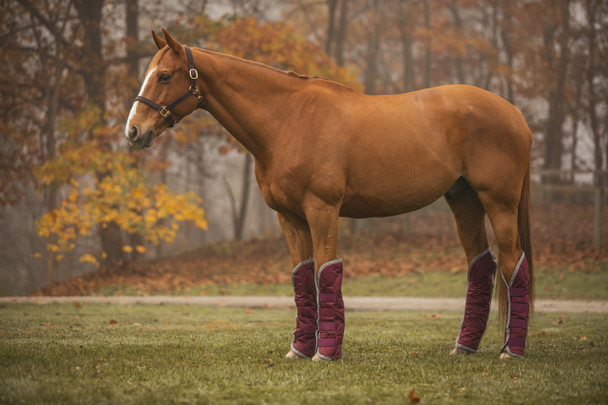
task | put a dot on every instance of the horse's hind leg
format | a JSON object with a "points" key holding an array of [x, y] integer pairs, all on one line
{"points": [[514, 275], [297, 233], [470, 222]]}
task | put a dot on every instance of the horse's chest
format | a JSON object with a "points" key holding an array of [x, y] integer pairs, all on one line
{"points": [[279, 192]]}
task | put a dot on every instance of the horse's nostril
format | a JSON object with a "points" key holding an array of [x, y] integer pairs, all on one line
{"points": [[148, 138], [133, 133]]}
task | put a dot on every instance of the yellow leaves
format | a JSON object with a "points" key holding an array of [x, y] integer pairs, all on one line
{"points": [[88, 258], [122, 196]]}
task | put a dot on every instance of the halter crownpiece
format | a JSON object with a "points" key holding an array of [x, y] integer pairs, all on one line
{"points": [[167, 111]]}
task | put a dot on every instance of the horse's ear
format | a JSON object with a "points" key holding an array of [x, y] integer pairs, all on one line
{"points": [[160, 43], [172, 42]]}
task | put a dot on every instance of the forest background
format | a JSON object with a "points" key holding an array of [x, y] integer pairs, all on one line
{"points": [[75, 199]]}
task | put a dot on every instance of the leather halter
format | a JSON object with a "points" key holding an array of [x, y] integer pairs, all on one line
{"points": [[167, 111]]}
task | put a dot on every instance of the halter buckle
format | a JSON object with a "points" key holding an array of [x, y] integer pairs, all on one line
{"points": [[164, 112], [193, 74]]}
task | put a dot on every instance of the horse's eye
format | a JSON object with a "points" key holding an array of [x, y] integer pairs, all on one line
{"points": [[164, 78]]}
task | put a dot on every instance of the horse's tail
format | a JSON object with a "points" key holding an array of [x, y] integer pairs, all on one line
{"points": [[523, 226]]}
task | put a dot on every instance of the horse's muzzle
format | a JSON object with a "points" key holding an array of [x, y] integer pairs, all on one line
{"points": [[139, 139]]}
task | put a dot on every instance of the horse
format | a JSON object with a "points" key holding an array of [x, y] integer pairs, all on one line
{"points": [[323, 150]]}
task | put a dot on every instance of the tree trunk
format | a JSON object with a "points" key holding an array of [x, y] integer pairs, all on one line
{"points": [[331, 8], [590, 73], [341, 37], [427, 50], [239, 225], [52, 87], [559, 63], [507, 47], [407, 46], [239, 212], [132, 61], [373, 45], [457, 56], [93, 72]]}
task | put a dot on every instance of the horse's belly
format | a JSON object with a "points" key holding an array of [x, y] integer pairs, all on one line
{"points": [[389, 201]]}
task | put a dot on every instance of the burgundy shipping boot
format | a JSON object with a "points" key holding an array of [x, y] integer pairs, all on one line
{"points": [[331, 310], [304, 342], [479, 296], [518, 309]]}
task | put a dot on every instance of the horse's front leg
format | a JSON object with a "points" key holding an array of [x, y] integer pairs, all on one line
{"points": [[297, 233], [323, 221]]}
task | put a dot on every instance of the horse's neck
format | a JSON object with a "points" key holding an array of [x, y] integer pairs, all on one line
{"points": [[245, 97]]}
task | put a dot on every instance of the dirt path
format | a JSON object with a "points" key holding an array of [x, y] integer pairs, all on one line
{"points": [[351, 303]]}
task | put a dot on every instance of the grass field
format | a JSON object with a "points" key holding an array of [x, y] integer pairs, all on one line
{"points": [[144, 354], [550, 284]]}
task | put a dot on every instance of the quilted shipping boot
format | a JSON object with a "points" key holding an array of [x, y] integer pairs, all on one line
{"points": [[331, 310], [479, 296], [304, 342], [518, 309]]}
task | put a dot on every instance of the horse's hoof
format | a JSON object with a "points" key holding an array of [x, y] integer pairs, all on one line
{"points": [[460, 350], [292, 356], [316, 357], [505, 355]]}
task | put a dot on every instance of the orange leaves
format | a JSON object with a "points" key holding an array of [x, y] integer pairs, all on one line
{"points": [[278, 45]]}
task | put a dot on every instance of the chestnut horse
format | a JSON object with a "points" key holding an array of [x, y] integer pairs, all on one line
{"points": [[323, 150]]}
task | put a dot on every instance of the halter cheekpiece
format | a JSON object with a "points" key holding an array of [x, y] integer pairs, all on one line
{"points": [[167, 111]]}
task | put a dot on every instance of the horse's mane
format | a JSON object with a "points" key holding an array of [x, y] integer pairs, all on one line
{"points": [[288, 73]]}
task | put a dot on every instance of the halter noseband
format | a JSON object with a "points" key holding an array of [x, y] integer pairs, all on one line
{"points": [[167, 111]]}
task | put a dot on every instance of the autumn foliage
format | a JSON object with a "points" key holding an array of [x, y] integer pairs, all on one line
{"points": [[122, 195], [71, 69]]}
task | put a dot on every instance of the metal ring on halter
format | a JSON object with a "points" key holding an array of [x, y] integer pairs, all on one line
{"points": [[164, 112]]}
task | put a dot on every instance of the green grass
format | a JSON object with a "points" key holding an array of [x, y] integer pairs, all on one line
{"points": [[187, 354], [550, 284]]}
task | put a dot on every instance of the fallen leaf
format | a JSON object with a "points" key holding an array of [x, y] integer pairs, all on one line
{"points": [[584, 338], [434, 316], [513, 376], [248, 311], [484, 373], [413, 397], [77, 304], [548, 288], [557, 322], [113, 322], [415, 354], [269, 363]]}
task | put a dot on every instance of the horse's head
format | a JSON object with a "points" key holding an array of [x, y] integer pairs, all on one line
{"points": [[168, 94]]}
